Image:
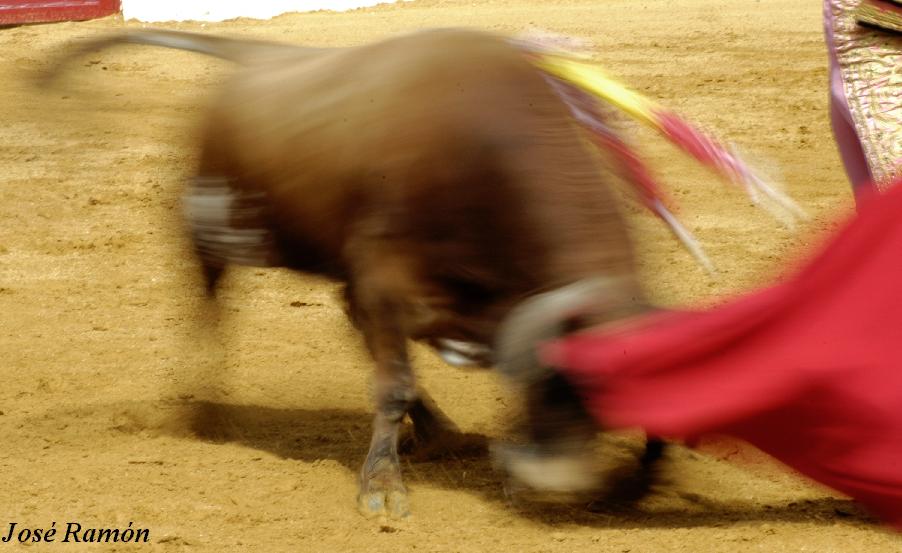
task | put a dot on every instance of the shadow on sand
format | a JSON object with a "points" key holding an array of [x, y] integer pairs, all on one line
{"points": [[342, 435]]}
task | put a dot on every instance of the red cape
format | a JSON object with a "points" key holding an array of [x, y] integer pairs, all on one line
{"points": [[808, 371]]}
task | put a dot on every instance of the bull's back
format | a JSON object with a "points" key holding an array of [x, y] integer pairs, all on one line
{"points": [[450, 137]]}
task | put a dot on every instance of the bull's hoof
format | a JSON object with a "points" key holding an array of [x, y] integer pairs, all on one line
{"points": [[382, 493], [384, 503]]}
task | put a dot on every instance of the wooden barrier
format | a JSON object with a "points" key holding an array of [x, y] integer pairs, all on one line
{"points": [[14, 12]]}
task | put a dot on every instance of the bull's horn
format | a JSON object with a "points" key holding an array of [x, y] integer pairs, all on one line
{"points": [[541, 318]]}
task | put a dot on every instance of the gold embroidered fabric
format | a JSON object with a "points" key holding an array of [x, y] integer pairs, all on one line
{"points": [[871, 65], [884, 14]]}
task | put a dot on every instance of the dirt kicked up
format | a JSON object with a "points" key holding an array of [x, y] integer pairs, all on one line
{"points": [[98, 294]]}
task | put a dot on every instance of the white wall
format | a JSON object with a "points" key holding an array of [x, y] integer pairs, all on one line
{"points": [[218, 10]]}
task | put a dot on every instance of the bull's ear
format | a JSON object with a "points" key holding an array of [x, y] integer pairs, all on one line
{"points": [[544, 317]]}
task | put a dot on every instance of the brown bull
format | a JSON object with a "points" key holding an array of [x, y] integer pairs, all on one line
{"points": [[436, 174]]}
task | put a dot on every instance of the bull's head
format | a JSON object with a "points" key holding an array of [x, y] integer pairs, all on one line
{"points": [[556, 453]]}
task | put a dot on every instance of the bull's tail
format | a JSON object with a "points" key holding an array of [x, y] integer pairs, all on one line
{"points": [[240, 51]]}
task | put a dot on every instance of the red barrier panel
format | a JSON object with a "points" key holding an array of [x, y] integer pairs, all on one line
{"points": [[40, 11]]}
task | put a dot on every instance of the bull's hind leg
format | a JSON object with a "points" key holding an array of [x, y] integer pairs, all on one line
{"points": [[228, 225]]}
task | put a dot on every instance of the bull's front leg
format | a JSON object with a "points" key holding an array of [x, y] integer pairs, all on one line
{"points": [[377, 307], [382, 491]]}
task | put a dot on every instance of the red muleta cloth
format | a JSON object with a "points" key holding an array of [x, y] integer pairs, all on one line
{"points": [[809, 371]]}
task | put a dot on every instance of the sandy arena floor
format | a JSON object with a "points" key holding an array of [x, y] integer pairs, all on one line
{"points": [[97, 293]]}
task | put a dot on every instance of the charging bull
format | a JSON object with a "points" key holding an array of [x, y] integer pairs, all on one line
{"points": [[437, 175]]}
